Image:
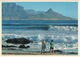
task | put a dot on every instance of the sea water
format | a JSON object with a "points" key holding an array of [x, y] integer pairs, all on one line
{"points": [[64, 34]]}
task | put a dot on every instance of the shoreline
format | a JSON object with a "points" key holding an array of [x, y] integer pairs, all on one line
{"points": [[34, 53], [26, 53]]}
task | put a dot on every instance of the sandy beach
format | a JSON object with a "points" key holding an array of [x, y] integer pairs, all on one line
{"points": [[34, 53], [26, 53]]}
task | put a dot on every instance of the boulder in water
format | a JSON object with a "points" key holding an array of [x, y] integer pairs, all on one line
{"points": [[59, 51], [3, 46], [23, 46], [8, 46], [19, 41]]}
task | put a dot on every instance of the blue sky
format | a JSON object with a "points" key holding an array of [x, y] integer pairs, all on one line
{"points": [[69, 9]]}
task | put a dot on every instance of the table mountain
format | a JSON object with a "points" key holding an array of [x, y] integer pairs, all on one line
{"points": [[11, 11]]}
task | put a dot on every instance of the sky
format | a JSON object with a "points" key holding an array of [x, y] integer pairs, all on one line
{"points": [[69, 9]]}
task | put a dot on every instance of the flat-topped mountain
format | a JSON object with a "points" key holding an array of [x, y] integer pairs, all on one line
{"points": [[11, 11]]}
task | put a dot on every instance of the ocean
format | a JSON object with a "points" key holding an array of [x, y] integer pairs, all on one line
{"points": [[63, 32]]}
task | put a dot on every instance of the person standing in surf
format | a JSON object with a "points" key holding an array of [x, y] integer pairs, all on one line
{"points": [[43, 46], [52, 46]]}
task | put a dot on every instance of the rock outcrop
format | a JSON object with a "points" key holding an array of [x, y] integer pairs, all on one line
{"points": [[23, 46], [19, 41]]}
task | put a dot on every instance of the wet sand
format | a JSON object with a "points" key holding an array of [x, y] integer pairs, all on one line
{"points": [[26, 53]]}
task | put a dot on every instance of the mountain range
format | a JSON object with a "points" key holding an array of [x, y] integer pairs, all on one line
{"points": [[11, 11]]}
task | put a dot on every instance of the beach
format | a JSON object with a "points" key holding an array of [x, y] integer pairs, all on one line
{"points": [[33, 53], [26, 53], [21, 52]]}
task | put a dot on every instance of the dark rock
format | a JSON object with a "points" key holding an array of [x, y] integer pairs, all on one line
{"points": [[19, 41], [23, 46], [8, 46], [28, 47], [72, 52], [59, 51], [3, 46]]}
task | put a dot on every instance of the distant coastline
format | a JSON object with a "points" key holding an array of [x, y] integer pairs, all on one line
{"points": [[16, 12]]}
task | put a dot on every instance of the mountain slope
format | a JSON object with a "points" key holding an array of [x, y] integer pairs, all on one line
{"points": [[11, 11]]}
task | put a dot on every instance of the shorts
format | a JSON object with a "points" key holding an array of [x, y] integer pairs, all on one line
{"points": [[43, 47], [51, 48]]}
